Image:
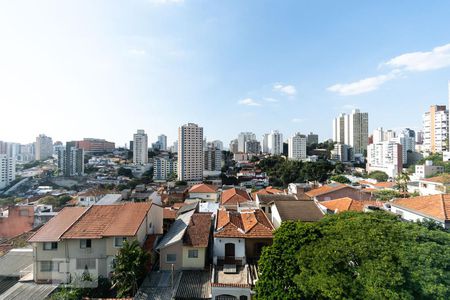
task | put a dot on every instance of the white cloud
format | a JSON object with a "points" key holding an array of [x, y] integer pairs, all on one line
{"points": [[289, 90], [273, 100], [437, 58], [248, 102], [362, 86], [297, 120]]}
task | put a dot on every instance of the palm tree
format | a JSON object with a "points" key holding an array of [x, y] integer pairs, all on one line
{"points": [[129, 268], [401, 182]]}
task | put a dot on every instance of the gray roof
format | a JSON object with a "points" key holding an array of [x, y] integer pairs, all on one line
{"points": [[194, 285], [28, 290], [176, 231], [186, 208], [269, 198], [15, 261], [306, 211], [109, 199]]}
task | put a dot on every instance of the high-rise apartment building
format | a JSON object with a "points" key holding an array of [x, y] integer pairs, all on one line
{"points": [[7, 170], [70, 160], [312, 139], [162, 140], [244, 137], [341, 152], [253, 147], [353, 130], [408, 144], [43, 147], [218, 144], [234, 146], [297, 147], [265, 143], [190, 153], [385, 156], [213, 158], [275, 142], [164, 167], [140, 148], [378, 135], [435, 129], [90, 145]]}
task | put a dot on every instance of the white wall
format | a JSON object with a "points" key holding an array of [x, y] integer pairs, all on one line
{"points": [[232, 291], [219, 247]]}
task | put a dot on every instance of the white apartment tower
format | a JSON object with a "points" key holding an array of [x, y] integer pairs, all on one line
{"points": [[386, 157], [435, 129], [190, 153], [7, 170], [265, 143], [378, 135], [297, 146], [162, 140], [140, 148], [43, 147], [275, 142], [353, 130], [243, 137], [339, 129]]}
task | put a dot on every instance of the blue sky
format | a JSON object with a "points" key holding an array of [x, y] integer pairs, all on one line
{"points": [[91, 68]]}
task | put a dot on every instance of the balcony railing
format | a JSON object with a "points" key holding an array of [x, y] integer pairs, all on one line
{"points": [[231, 260]]}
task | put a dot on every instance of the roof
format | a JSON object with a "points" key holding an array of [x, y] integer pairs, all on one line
{"points": [[386, 185], [444, 179], [203, 188], [198, 230], [434, 206], [194, 285], [169, 213], [176, 231], [234, 196], [267, 191], [269, 198], [186, 208], [325, 189], [346, 203], [14, 261], [56, 226], [29, 290], [245, 224], [109, 220], [306, 211], [109, 199]]}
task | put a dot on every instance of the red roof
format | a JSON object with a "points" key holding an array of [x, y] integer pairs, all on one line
{"points": [[198, 231], [346, 203], [245, 224], [434, 206], [234, 196], [203, 188], [444, 179], [325, 189]]}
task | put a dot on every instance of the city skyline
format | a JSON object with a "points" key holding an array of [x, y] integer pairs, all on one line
{"points": [[105, 69]]}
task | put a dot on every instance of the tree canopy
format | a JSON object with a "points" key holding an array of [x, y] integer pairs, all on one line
{"points": [[340, 179], [355, 255], [380, 176]]}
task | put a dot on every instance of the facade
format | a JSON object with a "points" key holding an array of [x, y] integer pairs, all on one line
{"points": [[335, 191], [265, 143], [43, 147], [140, 148], [253, 147], [70, 160], [408, 145], [386, 157], [7, 170], [243, 137], [213, 158], [162, 140], [435, 129], [312, 139], [353, 130], [88, 238], [90, 145], [190, 153], [218, 144], [297, 147], [164, 167], [341, 152], [275, 142], [435, 185], [234, 146], [204, 192], [378, 135], [427, 170], [339, 129]]}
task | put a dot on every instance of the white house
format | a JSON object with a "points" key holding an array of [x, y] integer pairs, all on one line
{"points": [[434, 186], [204, 192]]}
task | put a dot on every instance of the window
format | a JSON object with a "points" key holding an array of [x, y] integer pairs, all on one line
{"points": [[49, 266], [193, 253], [171, 258], [84, 244], [118, 241], [85, 263], [50, 245]]}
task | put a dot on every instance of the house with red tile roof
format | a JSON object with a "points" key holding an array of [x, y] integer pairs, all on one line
{"points": [[234, 197], [434, 208], [435, 185], [336, 191], [348, 204], [267, 191], [204, 192], [185, 246], [88, 238]]}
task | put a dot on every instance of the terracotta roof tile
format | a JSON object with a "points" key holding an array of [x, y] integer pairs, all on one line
{"points": [[234, 196], [325, 189], [445, 179], [245, 224], [203, 188], [434, 206], [386, 185], [346, 203], [56, 226], [267, 191], [198, 231]]}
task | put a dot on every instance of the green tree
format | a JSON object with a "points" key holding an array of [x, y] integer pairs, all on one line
{"points": [[124, 172], [380, 176], [401, 182], [355, 255], [129, 268], [386, 195], [340, 179]]}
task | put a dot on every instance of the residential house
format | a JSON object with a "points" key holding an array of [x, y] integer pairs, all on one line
{"points": [[90, 197], [348, 204], [185, 245], [264, 201], [294, 210], [336, 191], [234, 197], [81, 239], [267, 191], [434, 185], [204, 192], [434, 208]]}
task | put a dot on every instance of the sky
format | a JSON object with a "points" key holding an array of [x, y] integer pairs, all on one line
{"points": [[105, 68]]}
